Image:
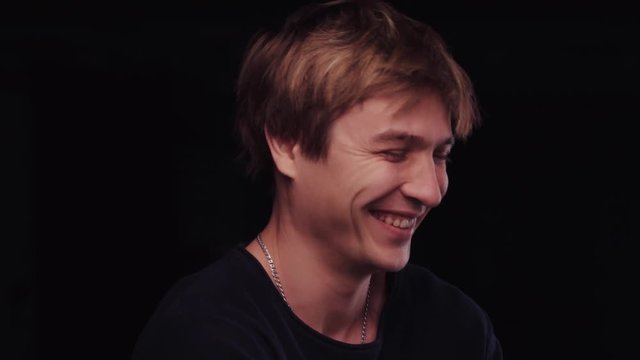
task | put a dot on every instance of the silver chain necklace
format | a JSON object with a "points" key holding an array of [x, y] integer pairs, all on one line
{"points": [[276, 280]]}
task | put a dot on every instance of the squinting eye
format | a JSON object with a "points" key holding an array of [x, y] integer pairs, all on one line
{"points": [[395, 155], [443, 157]]}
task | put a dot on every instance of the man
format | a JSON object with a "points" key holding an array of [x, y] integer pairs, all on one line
{"points": [[353, 108]]}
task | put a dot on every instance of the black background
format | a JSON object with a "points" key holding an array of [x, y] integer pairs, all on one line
{"points": [[118, 158]]}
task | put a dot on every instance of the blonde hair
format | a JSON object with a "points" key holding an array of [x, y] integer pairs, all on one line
{"points": [[328, 57]]}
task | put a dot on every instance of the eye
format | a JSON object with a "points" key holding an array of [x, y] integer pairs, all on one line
{"points": [[443, 157], [395, 155]]}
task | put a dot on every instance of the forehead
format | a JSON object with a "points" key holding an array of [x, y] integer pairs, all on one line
{"points": [[400, 117]]}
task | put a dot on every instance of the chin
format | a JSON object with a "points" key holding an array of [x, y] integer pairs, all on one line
{"points": [[392, 261], [396, 266]]}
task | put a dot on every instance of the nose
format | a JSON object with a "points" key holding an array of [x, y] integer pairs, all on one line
{"points": [[426, 183]]}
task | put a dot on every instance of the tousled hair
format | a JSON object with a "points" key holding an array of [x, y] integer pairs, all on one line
{"points": [[328, 57]]}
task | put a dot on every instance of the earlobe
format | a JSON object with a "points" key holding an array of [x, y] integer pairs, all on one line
{"points": [[283, 154]]}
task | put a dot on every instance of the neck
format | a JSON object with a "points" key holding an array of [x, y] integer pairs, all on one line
{"points": [[328, 298]]}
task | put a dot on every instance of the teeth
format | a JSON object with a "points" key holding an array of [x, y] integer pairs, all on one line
{"points": [[396, 221]]}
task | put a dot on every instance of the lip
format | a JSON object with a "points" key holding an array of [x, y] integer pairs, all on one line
{"points": [[403, 213], [417, 213], [398, 234]]}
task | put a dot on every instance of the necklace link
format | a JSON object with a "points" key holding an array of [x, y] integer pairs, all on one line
{"points": [[276, 280]]}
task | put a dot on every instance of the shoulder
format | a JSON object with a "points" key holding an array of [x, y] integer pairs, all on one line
{"points": [[448, 318], [420, 286], [206, 292], [205, 314]]}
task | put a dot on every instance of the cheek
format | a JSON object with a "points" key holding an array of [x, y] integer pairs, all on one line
{"points": [[366, 182], [358, 170], [443, 181]]}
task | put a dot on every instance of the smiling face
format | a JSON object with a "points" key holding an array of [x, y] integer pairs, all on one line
{"points": [[385, 169]]}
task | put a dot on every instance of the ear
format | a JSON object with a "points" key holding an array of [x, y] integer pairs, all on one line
{"points": [[284, 154]]}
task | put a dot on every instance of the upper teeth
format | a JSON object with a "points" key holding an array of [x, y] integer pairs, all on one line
{"points": [[395, 220]]}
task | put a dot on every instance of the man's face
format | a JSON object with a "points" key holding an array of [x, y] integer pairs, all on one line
{"points": [[385, 169]]}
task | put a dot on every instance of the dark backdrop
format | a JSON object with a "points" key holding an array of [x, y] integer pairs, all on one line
{"points": [[118, 156]]}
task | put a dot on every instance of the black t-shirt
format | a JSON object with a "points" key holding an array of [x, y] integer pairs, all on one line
{"points": [[231, 310]]}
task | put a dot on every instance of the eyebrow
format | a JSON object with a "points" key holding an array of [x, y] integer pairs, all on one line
{"points": [[408, 138]]}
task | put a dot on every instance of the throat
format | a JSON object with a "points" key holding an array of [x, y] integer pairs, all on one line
{"points": [[340, 307], [348, 320]]}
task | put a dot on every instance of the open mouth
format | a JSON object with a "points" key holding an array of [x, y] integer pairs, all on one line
{"points": [[395, 220]]}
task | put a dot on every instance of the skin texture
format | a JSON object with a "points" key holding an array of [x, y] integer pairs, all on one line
{"points": [[327, 233]]}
